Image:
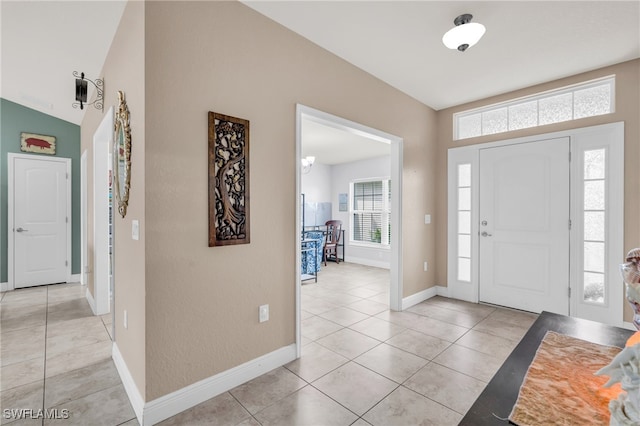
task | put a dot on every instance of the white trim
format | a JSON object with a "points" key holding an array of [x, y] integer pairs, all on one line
{"points": [[298, 233], [135, 397], [69, 218], [368, 262], [171, 404], [84, 264], [442, 291], [396, 163], [611, 139], [423, 295], [75, 278], [11, 157], [396, 284], [629, 326], [10, 247], [470, 154], [4, 287], [102, 141], [92, 302]]}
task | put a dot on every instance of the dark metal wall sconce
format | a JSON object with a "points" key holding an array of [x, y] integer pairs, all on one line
{"points": [[81, 91]]}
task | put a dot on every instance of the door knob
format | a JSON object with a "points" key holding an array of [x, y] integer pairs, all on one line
{"points": [[21, 230], [485, 234]]}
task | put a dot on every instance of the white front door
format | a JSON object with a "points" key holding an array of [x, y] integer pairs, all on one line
{"points": [[39, 209], [524, 226]]}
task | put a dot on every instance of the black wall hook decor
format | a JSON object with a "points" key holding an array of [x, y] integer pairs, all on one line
{"points": [[81, 91]]}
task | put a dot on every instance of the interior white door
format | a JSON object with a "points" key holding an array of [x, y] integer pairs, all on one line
{"points": [[40, 221], [524, 226]]}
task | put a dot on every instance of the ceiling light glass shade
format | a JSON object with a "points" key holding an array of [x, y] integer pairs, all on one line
{"points": [[464, 34], [308, 161]]}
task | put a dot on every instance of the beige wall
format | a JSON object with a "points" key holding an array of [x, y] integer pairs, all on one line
{"points": [[201, 302], [124, 70], [627, 109]]}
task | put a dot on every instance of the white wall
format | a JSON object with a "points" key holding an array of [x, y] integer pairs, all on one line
{"points": [[342, 175], [316, 185], [323, 183]]}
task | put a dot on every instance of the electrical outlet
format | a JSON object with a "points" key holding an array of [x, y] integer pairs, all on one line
{"points": [[426, 266], [264, 313], [427, 219], [126, 319]]}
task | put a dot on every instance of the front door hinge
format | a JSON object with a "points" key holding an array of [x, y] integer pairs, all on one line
{"points": [[66, 263], [569, 224], [569, 292], [67, 175], [569, 156], [66, 219]]}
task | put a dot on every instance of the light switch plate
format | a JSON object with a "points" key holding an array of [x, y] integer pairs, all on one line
{"points": [[264, 313], [135, 230], [427, 219]]}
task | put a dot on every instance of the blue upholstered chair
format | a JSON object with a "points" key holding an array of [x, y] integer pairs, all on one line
{"points": [[312, 259]]}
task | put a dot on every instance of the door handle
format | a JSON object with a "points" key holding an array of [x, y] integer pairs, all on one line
{"points": [[21, 230], [485, 234]]}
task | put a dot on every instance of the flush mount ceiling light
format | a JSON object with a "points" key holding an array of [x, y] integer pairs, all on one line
{"points": [[464, 35], [307, 162]]}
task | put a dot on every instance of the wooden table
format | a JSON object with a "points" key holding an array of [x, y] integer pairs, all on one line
{"points": [[501, 393]]}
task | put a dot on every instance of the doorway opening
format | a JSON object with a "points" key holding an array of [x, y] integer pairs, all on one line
{"points": [[100, 301], [394, 146]]}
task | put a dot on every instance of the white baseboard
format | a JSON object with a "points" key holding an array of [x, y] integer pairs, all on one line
{"points": [[169, 405], [423, 295], [92, 302], [75, 278], [629, 326], [368, 262], [442, 291], [166, 406], [5, 287], [135, 397]]}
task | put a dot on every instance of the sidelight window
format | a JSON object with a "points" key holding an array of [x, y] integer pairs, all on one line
{"points": [[464, 222], [594, 238]]}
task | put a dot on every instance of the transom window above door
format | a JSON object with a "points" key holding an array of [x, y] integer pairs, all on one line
{"points": [[588, 99]]}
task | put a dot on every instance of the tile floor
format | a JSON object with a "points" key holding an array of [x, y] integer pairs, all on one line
{"points": [[361, 363], [56, 357]]}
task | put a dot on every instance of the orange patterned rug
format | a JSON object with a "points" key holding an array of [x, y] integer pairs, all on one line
{"points": [[560, 387]]}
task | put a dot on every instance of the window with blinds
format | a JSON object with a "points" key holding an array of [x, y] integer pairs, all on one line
{"points": [[371, 211]]}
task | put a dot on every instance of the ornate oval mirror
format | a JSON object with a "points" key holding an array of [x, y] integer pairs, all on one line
{"points": [[122, 155]]}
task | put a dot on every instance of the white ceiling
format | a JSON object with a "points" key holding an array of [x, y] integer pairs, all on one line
{"points": [[334, 146], [527, 42], [44, 42]]}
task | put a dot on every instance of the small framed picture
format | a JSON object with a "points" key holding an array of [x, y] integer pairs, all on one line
{"points": [[342, 202], [39, 144]]}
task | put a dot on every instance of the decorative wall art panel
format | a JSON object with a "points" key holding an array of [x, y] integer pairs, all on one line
{"points": [[228, 180], [40, 144]]}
